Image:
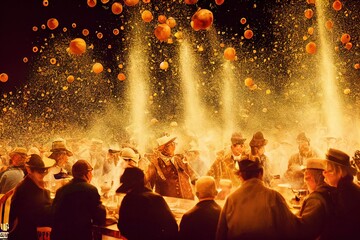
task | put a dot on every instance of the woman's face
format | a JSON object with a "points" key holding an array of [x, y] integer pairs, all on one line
{"points": [[331, 176]]}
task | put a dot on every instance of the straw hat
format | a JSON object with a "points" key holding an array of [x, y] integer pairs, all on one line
{"points": [[258, 140], [18, 150], [341, 158], [59, 146], [129, 154], [237, 138], [165, 140], [302, 137], [315, 163]]}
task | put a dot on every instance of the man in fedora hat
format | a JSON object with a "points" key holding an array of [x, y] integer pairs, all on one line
{"points": [[77, 206], [169, 173], [317, 213], [254, 211], [225, 164], [340, 173], [10, 177], [31, 203], [294, 173], [143, 214]]}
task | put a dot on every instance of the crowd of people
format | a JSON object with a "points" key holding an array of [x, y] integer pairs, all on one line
{"points": [[63, 187]]}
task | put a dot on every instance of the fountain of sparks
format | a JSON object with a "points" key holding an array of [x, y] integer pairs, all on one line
{"points": [[193, 110], [331, 101], [138, 89]]}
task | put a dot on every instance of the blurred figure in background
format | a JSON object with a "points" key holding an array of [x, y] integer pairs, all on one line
{"points": [[317, 213], [77, 206], [294, 173], [340, 173], [225, 165], [169, 173], [254, 211], [225, 188], [31, 203], [200, 222], [143, 214], [13, 174], [356, 160]]}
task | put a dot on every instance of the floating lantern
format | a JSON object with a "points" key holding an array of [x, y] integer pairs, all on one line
{"points": [[116, 8], [91, 3], [248, 34], [348, 45], [311, 30], [243, 21], [85, 32], [146, 1], [70, 79], [347, 91], [310, 1], [162, 32], [147, 16], [171, 22], [309, 13], [202, 19], [219, 2], [311, 48], [131, 3], [357, 66], [164, 65], [337, 5], [345, 38], [190, 2], [97, 68], [4, 77], [121, 76], [77, 46], [329, 24], [45, 3], [230, 54], [249, 82], [53, 61], [52, 23], [116, 31], [161, 18]]}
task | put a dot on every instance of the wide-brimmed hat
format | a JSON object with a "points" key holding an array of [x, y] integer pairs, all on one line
{"points": [[18, 150], [129, 154], [314, 163], [165, 140], [60, 146], [131, 178], [237, 138], [302, 137], [35, 161], [341, 158], [258, 140]]}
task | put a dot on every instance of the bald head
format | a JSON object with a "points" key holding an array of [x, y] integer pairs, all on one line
{"points": [[205, 187]]}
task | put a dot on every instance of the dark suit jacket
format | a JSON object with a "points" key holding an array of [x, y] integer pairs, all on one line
{"points": [[200, 222], [145, 215], [31, 205], [76, 208]]}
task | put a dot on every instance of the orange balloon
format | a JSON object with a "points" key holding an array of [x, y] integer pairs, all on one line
{"points": [[85, 32], [310, 1], [121, 76], [345, 38], [70, 79], [329, 24], [219, 2], [146, 1], [164, 65], [161, 18], [243, 21], [131, 2], [348, 45], [309, 13], [147, 16], [191, 1], [4, 77], [52, 23], [162, 32], [230, 54], [248, 34], [116, 8], [171, 22], [202, 19], [77, 46], [311, 48], [249, 82], [357, 66], [91, 3], [337, 5], [97, 68]]}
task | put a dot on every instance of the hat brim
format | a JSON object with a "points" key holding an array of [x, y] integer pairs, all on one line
{"points": [[353, 170], [171, 140], [48, 163], [68, 152]]}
